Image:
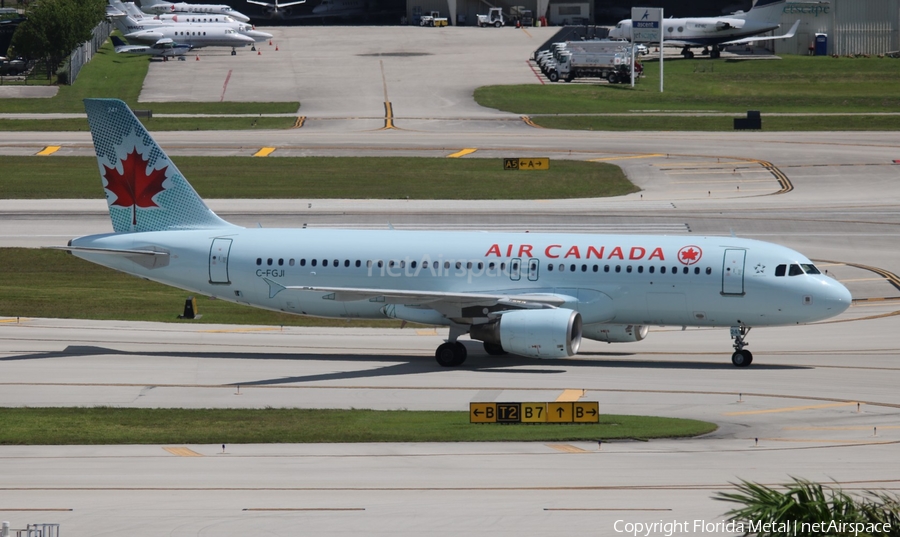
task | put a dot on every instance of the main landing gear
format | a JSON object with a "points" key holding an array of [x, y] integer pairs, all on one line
{"points": [[233, 52], [741, 357], [452, 353]]}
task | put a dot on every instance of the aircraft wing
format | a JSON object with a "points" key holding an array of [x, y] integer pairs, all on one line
{"points": [[407, 297], [788, 35]]}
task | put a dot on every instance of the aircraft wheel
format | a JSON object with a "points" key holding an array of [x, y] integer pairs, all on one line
{"points": [[715, 54], [494, 349], [742, 358], [461, 354], [450, 354], [689, 54]]}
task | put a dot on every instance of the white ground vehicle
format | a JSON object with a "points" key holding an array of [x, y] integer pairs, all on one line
{"points": [[433, 19], [494, 18], [615, 67], [549, 63]]}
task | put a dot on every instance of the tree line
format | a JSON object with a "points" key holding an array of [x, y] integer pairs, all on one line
{"points": [[54, 28]]}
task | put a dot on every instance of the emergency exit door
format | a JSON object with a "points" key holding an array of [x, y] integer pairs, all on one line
{"points": [[218, 261], [733, 272]]}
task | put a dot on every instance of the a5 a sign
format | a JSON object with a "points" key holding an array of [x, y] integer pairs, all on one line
{"points": [[526, 163]]}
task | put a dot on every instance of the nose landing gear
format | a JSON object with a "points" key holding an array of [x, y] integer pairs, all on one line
{"points": [[741, 357]]}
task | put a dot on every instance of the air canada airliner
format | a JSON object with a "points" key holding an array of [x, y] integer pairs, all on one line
{"points": [[531, 294]]}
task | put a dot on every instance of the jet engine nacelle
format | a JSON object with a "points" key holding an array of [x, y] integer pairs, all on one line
{"points": [[544, 333], [616, 333]]}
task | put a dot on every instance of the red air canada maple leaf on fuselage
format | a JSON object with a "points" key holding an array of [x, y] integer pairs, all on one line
{"points": [[134, 187]]}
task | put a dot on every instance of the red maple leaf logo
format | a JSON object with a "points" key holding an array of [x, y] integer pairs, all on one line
{"points": [[690, 254], [134, 187]]}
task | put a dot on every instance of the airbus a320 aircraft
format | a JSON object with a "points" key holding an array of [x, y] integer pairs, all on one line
{"points": [[534, 294], [715, 33]]}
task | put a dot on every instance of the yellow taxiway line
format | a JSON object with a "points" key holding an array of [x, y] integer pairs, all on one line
{"points": [[49, 150], [265, 152], [464, 152], [182, 452], [566, 448], [570, 395]]}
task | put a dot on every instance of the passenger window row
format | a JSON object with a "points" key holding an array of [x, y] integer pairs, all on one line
{"points": [[628, 268], [491, 266]]}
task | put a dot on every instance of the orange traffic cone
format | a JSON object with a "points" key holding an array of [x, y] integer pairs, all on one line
{"points": [[198, 57], [270, 42], [259, 52], [276, 47]]}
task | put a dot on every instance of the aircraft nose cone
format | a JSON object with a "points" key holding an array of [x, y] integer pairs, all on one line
{"points": [[837, 298]]}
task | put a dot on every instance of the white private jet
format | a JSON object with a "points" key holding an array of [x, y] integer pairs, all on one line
{"points": [[149, 31], [715, 33], [165, 48], [276, 9], [535, 294], [160, 7], [195, 18]]}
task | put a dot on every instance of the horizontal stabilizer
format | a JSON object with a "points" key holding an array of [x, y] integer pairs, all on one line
{"points": [[788, 35], [111, 251]]}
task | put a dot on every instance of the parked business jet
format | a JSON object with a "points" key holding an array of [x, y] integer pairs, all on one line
{"points": [[532, 294], [150, 31], [160, 7], [194, 18], [716, 33], [276, 9], [165, 48]]}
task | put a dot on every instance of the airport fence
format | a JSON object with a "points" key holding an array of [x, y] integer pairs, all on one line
{"points": [[83, 53]]}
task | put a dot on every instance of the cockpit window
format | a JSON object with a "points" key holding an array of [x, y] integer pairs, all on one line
{"points": [[780, 270], [795, 270], [810, 269]]}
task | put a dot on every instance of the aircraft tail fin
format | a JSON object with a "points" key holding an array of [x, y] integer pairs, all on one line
{"points": [[117, 42], [768, 11], [144, 189]]}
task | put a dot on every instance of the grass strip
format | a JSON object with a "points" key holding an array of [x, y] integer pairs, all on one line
{"points": [[51, 283], [672, 123], [58, 177], [121, 76], [794, 84], [106, 426], [155, 124]]}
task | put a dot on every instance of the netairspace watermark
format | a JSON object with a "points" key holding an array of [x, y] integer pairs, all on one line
{"points": [[668, 528]]}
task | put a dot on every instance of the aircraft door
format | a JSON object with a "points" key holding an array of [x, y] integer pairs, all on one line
{"points": [[218, 261], [534, 266], [515, 269], [733, 272]]}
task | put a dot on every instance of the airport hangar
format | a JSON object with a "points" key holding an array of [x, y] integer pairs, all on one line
{"points": [[850, 26]]}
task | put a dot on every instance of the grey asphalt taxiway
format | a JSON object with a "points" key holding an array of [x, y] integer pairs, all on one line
{"points": [[819, 402]]}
